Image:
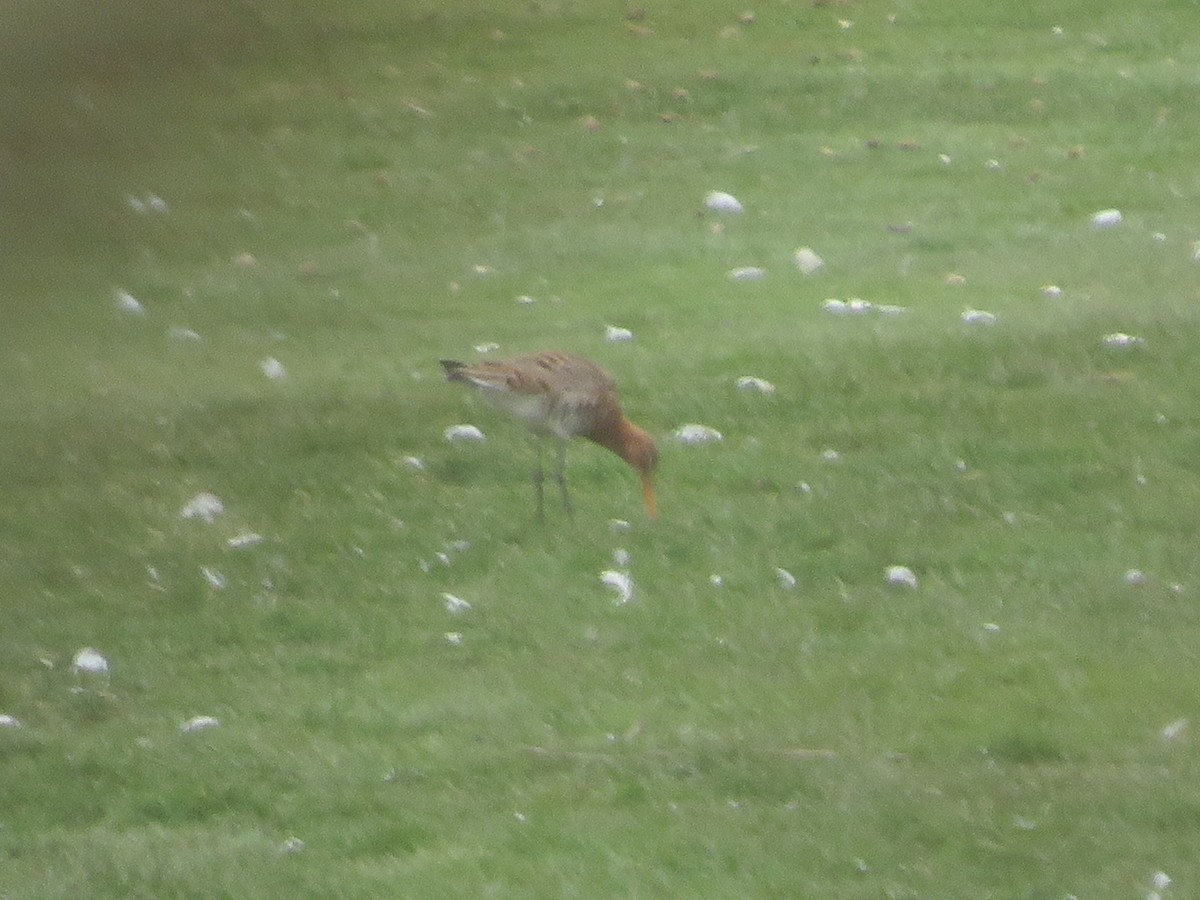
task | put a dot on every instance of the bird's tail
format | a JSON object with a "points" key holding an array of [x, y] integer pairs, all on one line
{"points": [[453, 369]]}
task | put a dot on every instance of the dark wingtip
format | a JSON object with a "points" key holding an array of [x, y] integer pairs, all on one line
{"points": [[452, 366]]}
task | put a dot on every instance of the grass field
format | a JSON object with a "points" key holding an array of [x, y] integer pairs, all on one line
{"points": [[354, 195]]}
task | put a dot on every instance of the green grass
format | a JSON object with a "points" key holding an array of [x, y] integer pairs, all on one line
{"points": [[996, 733]]}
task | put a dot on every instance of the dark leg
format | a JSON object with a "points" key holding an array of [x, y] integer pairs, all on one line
{"points": [[538, 477], [560, 475]]}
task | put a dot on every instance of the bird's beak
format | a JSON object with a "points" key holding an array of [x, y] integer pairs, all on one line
{"points": [[648, 493]]}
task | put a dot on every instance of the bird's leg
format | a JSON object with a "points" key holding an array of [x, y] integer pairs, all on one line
{"points": [[538, 477], [560, 475]]}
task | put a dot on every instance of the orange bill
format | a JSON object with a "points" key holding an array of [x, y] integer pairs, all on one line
{"points": [[648, 493]]}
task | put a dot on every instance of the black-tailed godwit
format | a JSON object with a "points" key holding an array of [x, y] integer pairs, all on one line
{"points": [[563, 396]]}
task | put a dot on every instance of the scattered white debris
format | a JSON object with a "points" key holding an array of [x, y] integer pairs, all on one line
{"points": [[993, 165], [1107, 218], [1053, 291], [901, 576], [414, 462], [179, 333], [459, 546], [199, 723], [807, 260], [456, 606], [487, 347], [620, 582], [1161, 881], [752, 383], [857, 306], [1119, 340], [127, 303], [464, 434], [618, 525], [244, 539], [1009, 517], [804, 487], [7, 721], [90, 662], [616, 334], [746, 273], [621, 557], [978, 317], [150, 203], [215, 578], [945, 159], [830, 455], [719, 201], [1174, 729], [1196, 251], [1159, 237], [273, 369], [204, 506], [292, 845], [716, 580], [787, 580], [991, 627], [1135, 576], [693, 433], [454, 638], [482, 270], [526, 300]]}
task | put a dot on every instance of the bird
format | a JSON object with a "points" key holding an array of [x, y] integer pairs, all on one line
{"points": [[560, 395]]}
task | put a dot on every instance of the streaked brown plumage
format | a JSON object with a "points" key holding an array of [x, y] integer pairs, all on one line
{"points": [[564, 396]]}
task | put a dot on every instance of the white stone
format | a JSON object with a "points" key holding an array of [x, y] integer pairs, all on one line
{"points": [[464, 434], [215, 578], [1173, 730], [719, 201], [746, 273], [127, 303], [273, 369], [752, 383], [786, 579], [7, 721], [1107, 218], [456, 606], [89, 661], [693, 434], [901, 576], [1135, 576], [454, 638], [1052, 291], [1119, 340], [620, 582], [616, 334], [807, 260], [199, 723], [978, 317], [244, 539], [204, 506]]}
